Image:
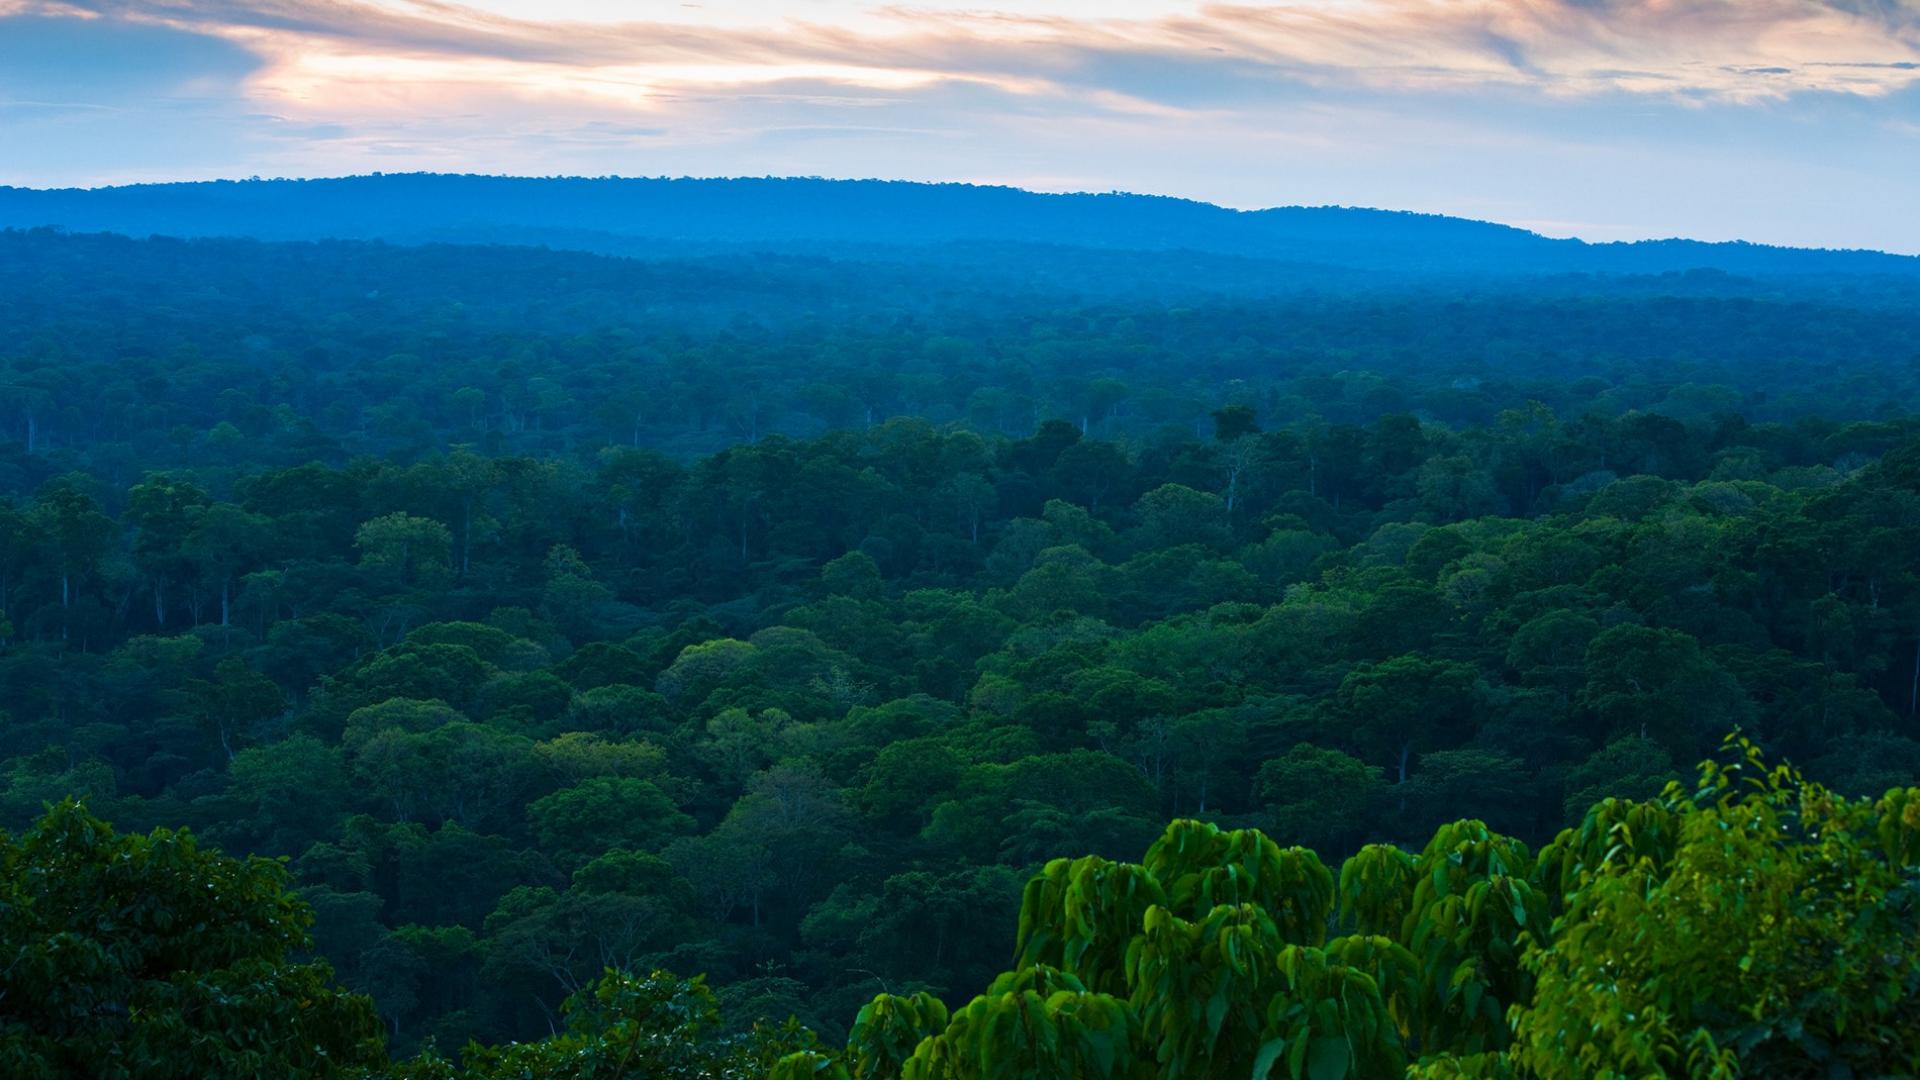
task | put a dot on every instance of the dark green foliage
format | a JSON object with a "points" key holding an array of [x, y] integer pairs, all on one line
{"points": [[1077, 914], [629, 1025], [1035, 1023], [145, 956], [777, 617], [887, 1032]]}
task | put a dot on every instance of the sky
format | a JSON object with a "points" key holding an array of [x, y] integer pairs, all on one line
{"points": [[1781, 121]]}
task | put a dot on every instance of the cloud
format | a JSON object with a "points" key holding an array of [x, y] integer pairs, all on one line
{"points": [[1787, 120], [1698, 49]]}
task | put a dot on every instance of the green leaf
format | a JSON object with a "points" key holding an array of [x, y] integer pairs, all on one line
{"points": [[1270, 1052], [1328, 1059]]}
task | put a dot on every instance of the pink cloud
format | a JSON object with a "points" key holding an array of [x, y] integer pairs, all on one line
{"points": [[1694, 49]]}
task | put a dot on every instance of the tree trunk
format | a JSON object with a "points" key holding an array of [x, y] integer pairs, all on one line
{"points": [[1913, 694]]}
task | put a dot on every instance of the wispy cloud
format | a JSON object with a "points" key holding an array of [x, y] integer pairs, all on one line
{"points": [[1702, 49], [1791, 120]]}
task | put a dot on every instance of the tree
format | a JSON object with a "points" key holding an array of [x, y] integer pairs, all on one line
{"points": [[1376, 889], [1658, 684], [1202, 867], [605, 812], [1474, 908], [161, 508], [293, 792], [619, 909], [1090, 470], [1550, 650], [623, 1025], [77, 535], [1201, 988], [1408, 704], [573, 599], [1079, 915], [1449, 779], [478, 776], [1240, 457], [412, 549], [1235, 422], [1630, 767], [888, 1030], [143, 956], [233, 704], [1327, 1021], [1037, 1023], [1173, 514], [1699, 953], [225, 541], [1317, 797]]}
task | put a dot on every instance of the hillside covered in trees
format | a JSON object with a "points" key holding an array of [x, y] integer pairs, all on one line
{"points": [[783, 617], [647, 216]]}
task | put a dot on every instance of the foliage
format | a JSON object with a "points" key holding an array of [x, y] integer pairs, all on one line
{"points": [[138, 956], [1040, 1024], [1078, 914], [1327, 1023], [888, 1030], [778, 616], [1205, 867], [657, 1025], [1376, 889], [1776, 938]]}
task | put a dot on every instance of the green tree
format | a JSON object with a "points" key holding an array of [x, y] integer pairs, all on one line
{"points": [[605, 812], [1410, 704], [232, 705], [414, 550], [1202, 867], [76, 536], [1202, 988], [1327, 1021], [1772, 936], [145, 956], [1036, 1023], [1658, 684], [888, 1030], [1080, 915], [1317, 797]]}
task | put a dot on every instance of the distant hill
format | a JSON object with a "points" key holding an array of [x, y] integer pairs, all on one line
{"points": [[642, 216]]}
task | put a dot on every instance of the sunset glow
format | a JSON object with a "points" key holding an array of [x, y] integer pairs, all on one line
{"points": [[1243, 104]]}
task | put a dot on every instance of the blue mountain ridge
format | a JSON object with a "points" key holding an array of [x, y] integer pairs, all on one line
{"points": [[629, 216]]}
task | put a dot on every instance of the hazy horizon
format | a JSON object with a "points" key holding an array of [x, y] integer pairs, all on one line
{"points": [[1793, 122], [1544, 232]]}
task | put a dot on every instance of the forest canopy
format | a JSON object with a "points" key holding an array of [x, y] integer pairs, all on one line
{"points": [[644, 662], [1665, 936]]}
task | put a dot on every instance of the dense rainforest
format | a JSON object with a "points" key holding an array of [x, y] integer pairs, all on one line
{"points": [[635, 665]]}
